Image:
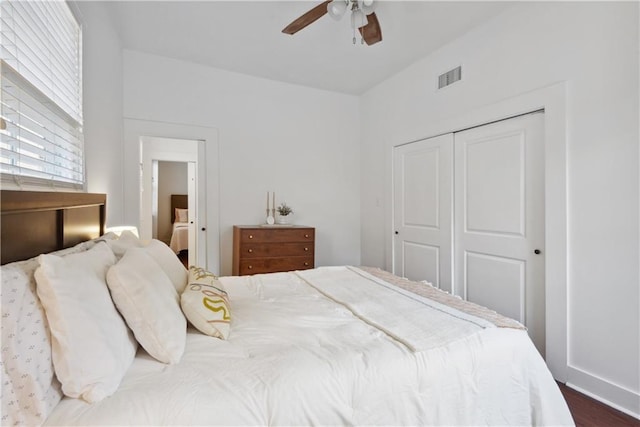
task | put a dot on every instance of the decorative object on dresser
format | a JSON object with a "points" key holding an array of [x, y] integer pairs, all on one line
{"points": [[259, 249], [271, 213], [284, 211]]}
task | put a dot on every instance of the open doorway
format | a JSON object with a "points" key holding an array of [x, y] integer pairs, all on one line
{"points": [[207, 174], [170, 167], [170, 209]]}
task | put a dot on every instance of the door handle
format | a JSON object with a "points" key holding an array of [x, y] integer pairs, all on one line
{"points": [[537, 251], [396, 232], [204, 229]]}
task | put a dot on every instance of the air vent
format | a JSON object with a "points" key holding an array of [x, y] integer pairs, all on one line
{"points": [[449, 77]]}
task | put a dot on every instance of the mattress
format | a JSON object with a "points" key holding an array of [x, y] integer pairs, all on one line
{"points": [[180, 237], [303, 351]]}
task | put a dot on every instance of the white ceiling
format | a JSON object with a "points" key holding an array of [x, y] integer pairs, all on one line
{"points": [[246, 37]]}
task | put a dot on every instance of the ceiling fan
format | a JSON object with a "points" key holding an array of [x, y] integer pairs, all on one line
{"points": [[363, 18]]}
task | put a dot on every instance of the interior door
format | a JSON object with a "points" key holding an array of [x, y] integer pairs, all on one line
{"points": [[423, 210], [499, 219]]}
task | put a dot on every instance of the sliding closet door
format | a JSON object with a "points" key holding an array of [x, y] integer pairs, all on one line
{"points": [[499, 219], [423, 210]]}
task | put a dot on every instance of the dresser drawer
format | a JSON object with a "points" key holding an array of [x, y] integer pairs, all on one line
{"points": [[259, 250], [273, 265], [277, 235]]}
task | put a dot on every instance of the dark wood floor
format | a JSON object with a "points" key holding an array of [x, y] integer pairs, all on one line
{"points": [[588, 412], [184, 258]]}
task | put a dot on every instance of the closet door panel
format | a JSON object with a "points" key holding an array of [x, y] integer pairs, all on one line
{"points": [[423, 210], [499, 219]]}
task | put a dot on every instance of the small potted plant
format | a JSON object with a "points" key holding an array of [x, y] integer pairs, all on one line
{"points": [[284, 211]]}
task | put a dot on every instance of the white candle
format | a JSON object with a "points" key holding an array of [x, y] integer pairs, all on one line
{"points": [[267, 200], [274, 200]]}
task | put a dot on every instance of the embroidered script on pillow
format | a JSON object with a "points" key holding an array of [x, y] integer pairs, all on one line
{"points": [[205, 303]]}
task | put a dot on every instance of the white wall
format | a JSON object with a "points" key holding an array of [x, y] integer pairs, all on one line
{"points": [[102, 97], [593, 47], [301, 143], [172, 179]]}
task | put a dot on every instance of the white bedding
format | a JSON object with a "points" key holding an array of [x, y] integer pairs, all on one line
{"points": [[180, 237], [296, 356]]}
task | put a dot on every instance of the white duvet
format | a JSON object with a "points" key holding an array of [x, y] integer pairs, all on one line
{"points": [[299, 355]]}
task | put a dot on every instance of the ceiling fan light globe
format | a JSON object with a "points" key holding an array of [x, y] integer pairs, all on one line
{"points": [[358, 19], [367, 6], [336, 9]]}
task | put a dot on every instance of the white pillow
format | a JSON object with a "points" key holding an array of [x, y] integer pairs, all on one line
{"points": [[171, 265], [206, 303], [149, 303], [30, 389], [126, 240], [27, 377], [91, 345], [182, 215]]}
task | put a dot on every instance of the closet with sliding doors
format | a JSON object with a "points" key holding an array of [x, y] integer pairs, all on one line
{"points": [[469, 216]]}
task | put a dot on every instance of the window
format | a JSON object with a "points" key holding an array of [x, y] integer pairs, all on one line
{"points": [[41, 94]]}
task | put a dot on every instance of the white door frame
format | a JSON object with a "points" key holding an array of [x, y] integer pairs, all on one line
{"points": [[551, 99], [133, 130], [197, 240]]}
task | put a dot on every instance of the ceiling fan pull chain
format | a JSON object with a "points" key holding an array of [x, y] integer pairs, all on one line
{"points": [[363, 22]]}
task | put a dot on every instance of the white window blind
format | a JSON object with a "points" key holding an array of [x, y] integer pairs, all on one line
{"points": [[41, 94]]}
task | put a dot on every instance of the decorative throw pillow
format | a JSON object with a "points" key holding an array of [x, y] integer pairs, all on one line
{"points": [[182, 215], [169, 262], [30, 389], [206, 303], [91, 345], [149, 303], [200, 275]]}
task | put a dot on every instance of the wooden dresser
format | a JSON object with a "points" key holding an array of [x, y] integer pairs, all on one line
{"points": [[271, 249]]}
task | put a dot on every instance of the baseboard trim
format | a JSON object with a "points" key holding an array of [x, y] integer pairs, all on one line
{"points": [[613, 395]]}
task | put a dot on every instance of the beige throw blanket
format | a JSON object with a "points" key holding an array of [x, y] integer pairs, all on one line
{"points": [[429, 291], [419, 323]]}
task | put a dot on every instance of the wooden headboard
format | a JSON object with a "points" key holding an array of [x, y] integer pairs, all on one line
{"points": [[178, 201], [35, 222]]}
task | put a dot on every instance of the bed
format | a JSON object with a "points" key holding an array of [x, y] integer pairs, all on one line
{"points": [[179, 222], [329, 346]]}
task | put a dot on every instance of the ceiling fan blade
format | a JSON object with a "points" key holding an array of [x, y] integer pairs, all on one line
{"points": [[371, 33], [307, 19]]}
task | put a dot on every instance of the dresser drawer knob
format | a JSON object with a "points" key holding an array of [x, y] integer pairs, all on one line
{"points": [[306, 264], [306, 236], [251, 236], [306, 249], [250, 267], [250, 251]]}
